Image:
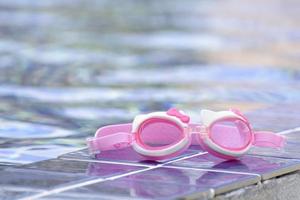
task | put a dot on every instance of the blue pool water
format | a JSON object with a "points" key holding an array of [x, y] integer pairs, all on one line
{"points": [[68, 67]]}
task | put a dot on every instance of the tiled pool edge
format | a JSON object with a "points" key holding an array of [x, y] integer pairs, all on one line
{"points": [[219, 195], [285, 187], [98, 180]]}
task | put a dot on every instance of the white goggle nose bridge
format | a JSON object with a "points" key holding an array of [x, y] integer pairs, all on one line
{"points": [[196, 129]]}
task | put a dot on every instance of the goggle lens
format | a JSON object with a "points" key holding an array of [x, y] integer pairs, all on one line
{"points": [[232, 134], [160, 133]]}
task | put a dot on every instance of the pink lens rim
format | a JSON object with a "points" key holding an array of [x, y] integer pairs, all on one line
{"points": [[140, 142], [245, 146]]}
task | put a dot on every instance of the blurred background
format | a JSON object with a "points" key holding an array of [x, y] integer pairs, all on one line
{"points": [[70, 66]]}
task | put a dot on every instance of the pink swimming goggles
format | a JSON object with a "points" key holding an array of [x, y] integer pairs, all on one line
{"points": [[162, 135]]}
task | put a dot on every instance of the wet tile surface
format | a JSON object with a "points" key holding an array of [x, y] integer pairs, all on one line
{"points": [[199, 176], [38, 177], [127, 155], [167, 183], [89, 169], [219, 181], [134, 189], [17, 183], [266, 167]]}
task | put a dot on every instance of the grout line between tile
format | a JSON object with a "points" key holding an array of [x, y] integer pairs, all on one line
{"points": [[182, 158], [99, 180], [213, 170], [125, 163], [65, 188], [107, 162]]}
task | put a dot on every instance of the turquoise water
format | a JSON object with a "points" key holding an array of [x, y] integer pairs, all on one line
{"points": [[68, 67]]}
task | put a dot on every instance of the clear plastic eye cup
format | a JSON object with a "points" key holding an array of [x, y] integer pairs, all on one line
{"points": [[162, 135]]}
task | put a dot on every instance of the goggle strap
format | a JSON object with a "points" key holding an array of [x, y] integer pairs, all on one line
{"points": [[110, 142], [110, 137], [268, 139]]}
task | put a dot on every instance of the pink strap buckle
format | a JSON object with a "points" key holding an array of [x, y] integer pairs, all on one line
{"points": [[109, 142]]}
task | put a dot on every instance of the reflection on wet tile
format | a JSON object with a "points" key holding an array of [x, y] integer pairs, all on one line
{"points": [[16, 183], [290, 150], [80, 154], [12, 192], [127, 155], [45, 175], [267, 167], [219, 181], [102, 170], [135, 189]]}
